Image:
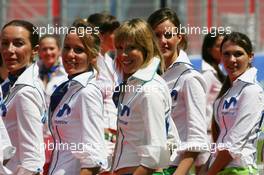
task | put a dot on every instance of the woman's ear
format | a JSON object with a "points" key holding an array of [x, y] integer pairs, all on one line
{"points": [[34, 52], [251, 56], [180, 37]]}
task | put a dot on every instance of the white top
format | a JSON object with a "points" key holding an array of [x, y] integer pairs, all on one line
{"points": [[26, 107], [238, 113], [6, 149], [143, 121], [77, 127], [188, 88], [56, 78], [109, 78], [213, 89]]}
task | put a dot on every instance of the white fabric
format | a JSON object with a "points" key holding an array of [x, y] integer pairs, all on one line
{"points": [[142, 136], [238, 113], [25, 108], [213, 89], [109, 78], [80, 129], [188, 105], [6, 149], [57, 77]]}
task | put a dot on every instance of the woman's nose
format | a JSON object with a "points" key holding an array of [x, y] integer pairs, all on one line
{"points": [[11, 48]]}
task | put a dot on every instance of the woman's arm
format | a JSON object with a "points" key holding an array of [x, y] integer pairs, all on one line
{"points": [[89, 171], [94, 154], [222, 160], [196, 136], [29, 109], [186, 163], [141, 170], [154, 153]]}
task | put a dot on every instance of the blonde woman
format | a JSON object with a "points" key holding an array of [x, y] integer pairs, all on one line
{"points": [[76, 109], [143, 102]]}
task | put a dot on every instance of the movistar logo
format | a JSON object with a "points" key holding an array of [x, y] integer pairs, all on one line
{"points": [[66, 108], [174, 94], [126, 110], [232, 102]]}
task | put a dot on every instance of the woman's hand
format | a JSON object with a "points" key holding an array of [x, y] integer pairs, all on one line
{"points": [[89, 171], [141, 170], [222, 160], [186, 163]]}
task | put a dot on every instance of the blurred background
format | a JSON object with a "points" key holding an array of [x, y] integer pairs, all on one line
{"points": [[241, 15]]}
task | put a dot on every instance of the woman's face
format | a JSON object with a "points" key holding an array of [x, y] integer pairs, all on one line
{"points": [[74, 58], [235, 59], [16, 48], [215, 50], [49, 51], [130, 57], [168, 39]]}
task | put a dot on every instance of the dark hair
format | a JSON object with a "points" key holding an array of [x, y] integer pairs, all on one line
{"points": [[240, 39], [105, 22], [54, 36], [164, 14], [33, 34], [208, 43]]}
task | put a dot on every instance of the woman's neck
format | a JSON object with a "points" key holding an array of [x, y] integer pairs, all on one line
{"points": [[18, 72], [171, 60]]}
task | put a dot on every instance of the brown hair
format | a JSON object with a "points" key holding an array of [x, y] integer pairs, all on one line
{"points": [[90, 41], [164, 14]]}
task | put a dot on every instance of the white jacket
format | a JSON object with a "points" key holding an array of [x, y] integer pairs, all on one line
{"points": [[238, 114], [143, 121], [188, 89], [109, 78], [213, 89], [77, 127], [26, 107]]}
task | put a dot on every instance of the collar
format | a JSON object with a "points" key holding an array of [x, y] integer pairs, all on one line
{"points": [[29, 76], [182, 58], [13, 78], [249, 76], [56, 68], [83, 78], [147, 73]]}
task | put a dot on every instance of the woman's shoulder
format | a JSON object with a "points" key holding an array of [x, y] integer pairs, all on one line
{"points": [[252, 88]]}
